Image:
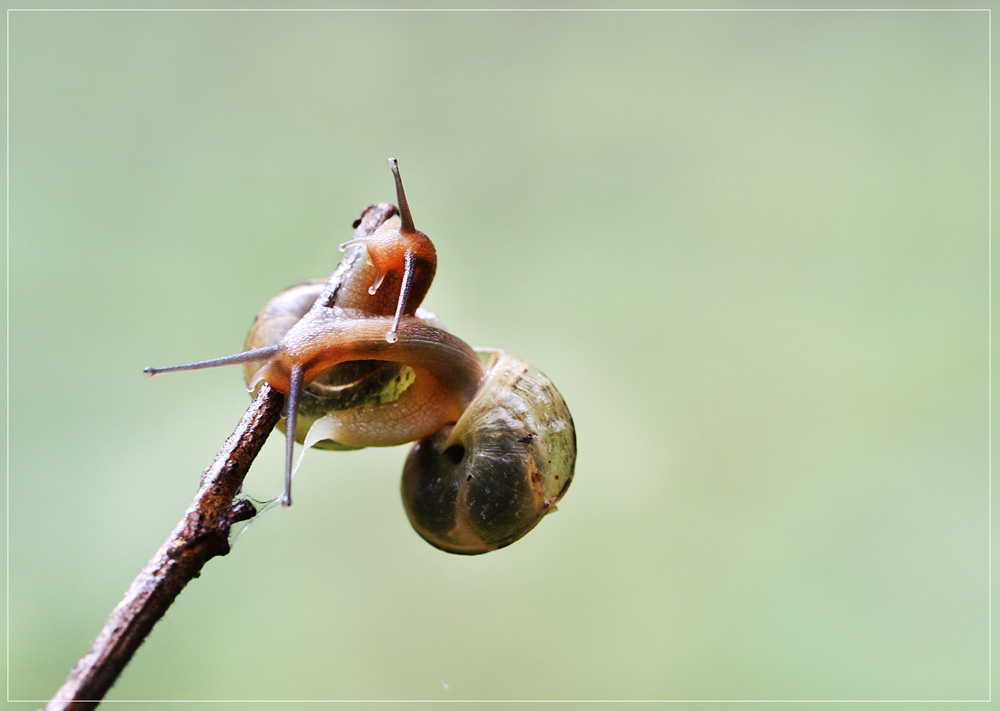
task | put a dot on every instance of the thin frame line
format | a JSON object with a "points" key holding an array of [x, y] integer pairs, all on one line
{"points": [[989, 324], [7, 344], [499, 9], [543, 10]]}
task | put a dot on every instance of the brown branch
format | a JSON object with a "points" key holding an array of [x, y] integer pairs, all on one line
{"points": [[200, 535]]}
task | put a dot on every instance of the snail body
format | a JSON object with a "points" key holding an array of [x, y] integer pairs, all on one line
{"points": [[447, 375], [361, 366]]}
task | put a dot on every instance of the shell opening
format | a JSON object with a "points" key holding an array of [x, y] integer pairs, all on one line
{"points": [[454, 454]]}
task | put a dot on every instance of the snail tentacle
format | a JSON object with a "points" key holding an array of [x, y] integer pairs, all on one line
{"points": [[409, 267], [404, 208], [265, 353], [291, 415]]}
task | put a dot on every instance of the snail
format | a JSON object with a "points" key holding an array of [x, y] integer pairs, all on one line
{"points": [[362, 365]]}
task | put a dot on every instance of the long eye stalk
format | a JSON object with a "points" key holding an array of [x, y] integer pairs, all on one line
{"points": [[406, 220], [291, 420], [265, 353], [409, 267]]}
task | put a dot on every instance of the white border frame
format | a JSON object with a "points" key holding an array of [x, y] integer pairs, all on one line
{"points": [[989, 15]]}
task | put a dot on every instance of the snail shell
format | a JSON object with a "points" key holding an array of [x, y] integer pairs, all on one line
{"points": [[487, 481]]}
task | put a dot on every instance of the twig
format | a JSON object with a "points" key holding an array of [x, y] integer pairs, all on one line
{"points": [[200, 535]]}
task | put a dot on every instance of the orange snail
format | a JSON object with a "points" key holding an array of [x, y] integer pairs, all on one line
{"points": [[495, 444]]}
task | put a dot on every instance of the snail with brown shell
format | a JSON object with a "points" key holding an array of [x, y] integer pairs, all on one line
{"points": [[366, 367]]}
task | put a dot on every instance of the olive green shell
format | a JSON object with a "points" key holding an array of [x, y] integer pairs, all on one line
{"points": [[489, 480]]}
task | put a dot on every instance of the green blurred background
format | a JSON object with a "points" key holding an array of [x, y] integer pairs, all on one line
{"points": [[751, 249]]}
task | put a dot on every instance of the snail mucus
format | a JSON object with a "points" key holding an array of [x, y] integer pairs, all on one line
{"points": [[361, 365]]}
